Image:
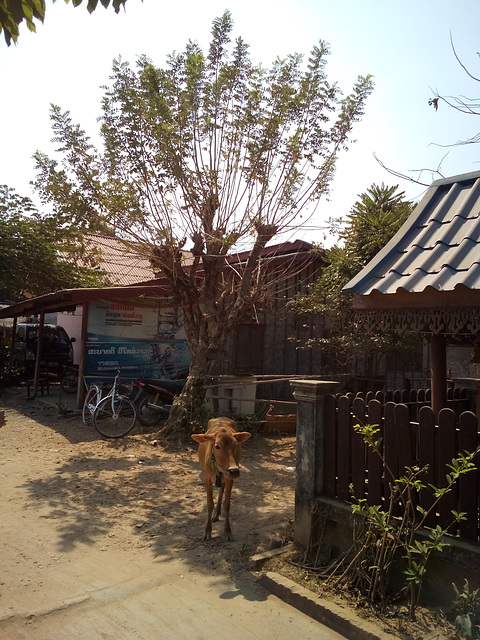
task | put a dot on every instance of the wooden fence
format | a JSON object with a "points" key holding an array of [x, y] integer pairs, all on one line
{"points": [[410, 437], [457, 399]]}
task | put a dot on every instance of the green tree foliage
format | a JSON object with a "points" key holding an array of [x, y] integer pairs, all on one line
{"points": [[372, 222], [36, 256], [211, 154], [14, 12]]}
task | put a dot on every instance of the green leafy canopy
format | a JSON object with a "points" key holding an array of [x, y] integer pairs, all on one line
{"points": [[209, 149], [14, 12], [36, 255]]}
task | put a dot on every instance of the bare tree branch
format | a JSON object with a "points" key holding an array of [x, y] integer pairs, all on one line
{"points": [[404, 176]]}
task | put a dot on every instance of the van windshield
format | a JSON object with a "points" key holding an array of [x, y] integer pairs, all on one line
{"points": [[50, 334]]}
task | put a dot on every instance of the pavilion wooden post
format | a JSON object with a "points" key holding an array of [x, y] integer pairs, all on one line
{"points": [[438, 350]]}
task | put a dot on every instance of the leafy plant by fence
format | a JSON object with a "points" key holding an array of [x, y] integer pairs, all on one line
{"points": [[410, 436]]}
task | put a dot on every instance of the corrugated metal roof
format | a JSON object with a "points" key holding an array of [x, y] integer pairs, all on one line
{"points": [[68, 299], [437, 247], [123, 267]]}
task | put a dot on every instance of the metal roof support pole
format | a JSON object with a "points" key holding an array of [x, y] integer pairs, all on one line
{"points": [[81, 365], [12, 343], [438, 349], [38, 355]]}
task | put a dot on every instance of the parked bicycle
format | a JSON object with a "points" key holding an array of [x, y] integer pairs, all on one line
{"points": [[113, 415]]}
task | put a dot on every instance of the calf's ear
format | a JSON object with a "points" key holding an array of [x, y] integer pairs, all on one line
{"points": [[241, 436], [201, 437]]}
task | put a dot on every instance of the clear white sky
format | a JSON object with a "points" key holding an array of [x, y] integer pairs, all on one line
{"points": [[404, 44]]}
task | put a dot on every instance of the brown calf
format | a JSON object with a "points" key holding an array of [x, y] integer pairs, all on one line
{"points": [[219, 454]]}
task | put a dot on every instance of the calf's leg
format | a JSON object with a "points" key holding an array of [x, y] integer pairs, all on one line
{"points": [[218, 510], [226, 509], [208, 526]]}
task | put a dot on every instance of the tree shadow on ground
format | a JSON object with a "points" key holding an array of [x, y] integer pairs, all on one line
{"points": [[128, 493], [51, 413]]}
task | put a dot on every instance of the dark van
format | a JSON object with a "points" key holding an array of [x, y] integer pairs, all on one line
{"points": [[56, 347]]}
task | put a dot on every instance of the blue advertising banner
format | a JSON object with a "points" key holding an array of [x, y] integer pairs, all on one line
{"points": [[139, 338]]}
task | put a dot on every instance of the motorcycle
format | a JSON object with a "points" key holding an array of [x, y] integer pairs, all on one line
{"points": [[154, 399]]}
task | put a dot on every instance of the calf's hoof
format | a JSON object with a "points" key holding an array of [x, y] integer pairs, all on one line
{"points": [[207, 536]]}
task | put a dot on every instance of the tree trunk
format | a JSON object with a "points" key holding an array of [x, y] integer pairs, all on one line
{"points": [[212, 306], [188, 411]]}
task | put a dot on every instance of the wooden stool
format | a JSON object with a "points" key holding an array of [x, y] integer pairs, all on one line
{"points": [[43, 384]]}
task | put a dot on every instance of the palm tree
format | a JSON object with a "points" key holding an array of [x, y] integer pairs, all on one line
{"points": [[373, 220]]}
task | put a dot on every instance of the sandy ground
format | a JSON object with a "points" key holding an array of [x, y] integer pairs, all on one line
{"points": [[75, 501], [102, 538]]}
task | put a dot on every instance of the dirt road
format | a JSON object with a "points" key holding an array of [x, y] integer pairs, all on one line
{"points": [[102, 539]]}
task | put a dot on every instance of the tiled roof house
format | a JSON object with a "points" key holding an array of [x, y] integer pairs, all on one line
{"points": [[121, 266]]}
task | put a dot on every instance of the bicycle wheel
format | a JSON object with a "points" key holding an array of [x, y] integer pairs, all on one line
{"points": [[89, 404], [114, 418], [147, 415], [69, 381]]}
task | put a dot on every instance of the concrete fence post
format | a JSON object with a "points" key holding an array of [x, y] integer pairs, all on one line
{"points": [[310, 397]]}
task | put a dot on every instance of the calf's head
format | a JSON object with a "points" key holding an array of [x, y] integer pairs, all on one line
{"points": [[222, 449]]}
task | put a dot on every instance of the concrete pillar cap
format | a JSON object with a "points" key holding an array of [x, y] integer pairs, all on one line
{"points": [[304, 389]]}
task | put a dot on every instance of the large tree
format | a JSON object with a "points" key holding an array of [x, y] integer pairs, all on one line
{"points": [[210, 154], [36, 255], [375, 218]]}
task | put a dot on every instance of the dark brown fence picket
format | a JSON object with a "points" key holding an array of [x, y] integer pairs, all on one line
{"points": [[374, 460], [468, 486], [358, 449], [403, 439], [344, 445], [389, 446], [330, 446], [426, 460], [446, 451]]}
